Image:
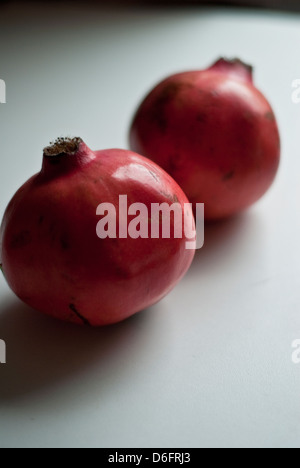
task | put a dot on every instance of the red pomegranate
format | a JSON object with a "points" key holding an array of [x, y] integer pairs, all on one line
{"points": [[51, 255], [214, 133]]}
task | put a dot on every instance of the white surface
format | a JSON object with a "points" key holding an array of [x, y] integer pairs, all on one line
{"points": [[211, 365]]}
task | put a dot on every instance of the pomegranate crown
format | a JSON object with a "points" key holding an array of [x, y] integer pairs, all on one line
{"points": [[63, 146]]}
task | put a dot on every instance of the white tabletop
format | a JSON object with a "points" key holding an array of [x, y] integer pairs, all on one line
{"points": [[211, 365]]}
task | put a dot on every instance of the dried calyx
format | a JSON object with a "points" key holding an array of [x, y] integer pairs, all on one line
{"points": [[237, 62], [234, 67], [63, 146]]}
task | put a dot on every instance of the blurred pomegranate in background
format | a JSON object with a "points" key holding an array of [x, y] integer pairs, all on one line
{"points": [[214, 133]]}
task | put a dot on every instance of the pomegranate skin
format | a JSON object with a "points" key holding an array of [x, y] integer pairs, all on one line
{"points": [[52, 257], [214, 133]]}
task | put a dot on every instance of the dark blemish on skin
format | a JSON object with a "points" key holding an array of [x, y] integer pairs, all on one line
{"points": [[176, 163], [64, 243], [124, 272], [21, 240], [201, 118], [270, 116], [52, 232], [166, 195], [170, 90], [228, 176], [81, 317], [41, 220], [172, 198], [159, 114], [99, 180], [248, 115], [69, 279], [173, 164], [162, 123], [154, 175]]}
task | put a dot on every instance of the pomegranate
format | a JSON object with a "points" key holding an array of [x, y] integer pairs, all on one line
{"points": [[51, 255], [214, 133]]}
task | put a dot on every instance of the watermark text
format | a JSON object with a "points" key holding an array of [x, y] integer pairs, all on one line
{"points": [[148, 457], [296, 352], [296, 92], [161, 221], [2, 92], [2, 352]]}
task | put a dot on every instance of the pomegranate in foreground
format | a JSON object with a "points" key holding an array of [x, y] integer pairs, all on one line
{"points": [[50, 252], [214, 133]]}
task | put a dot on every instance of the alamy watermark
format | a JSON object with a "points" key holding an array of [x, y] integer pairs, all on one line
{"points": [[296, 352], [163, 220], [2, 352], [296, 92], [2, 92]]}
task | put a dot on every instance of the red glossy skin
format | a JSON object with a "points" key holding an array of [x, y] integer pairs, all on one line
{"points": [[214, 133], [52, 257]]}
